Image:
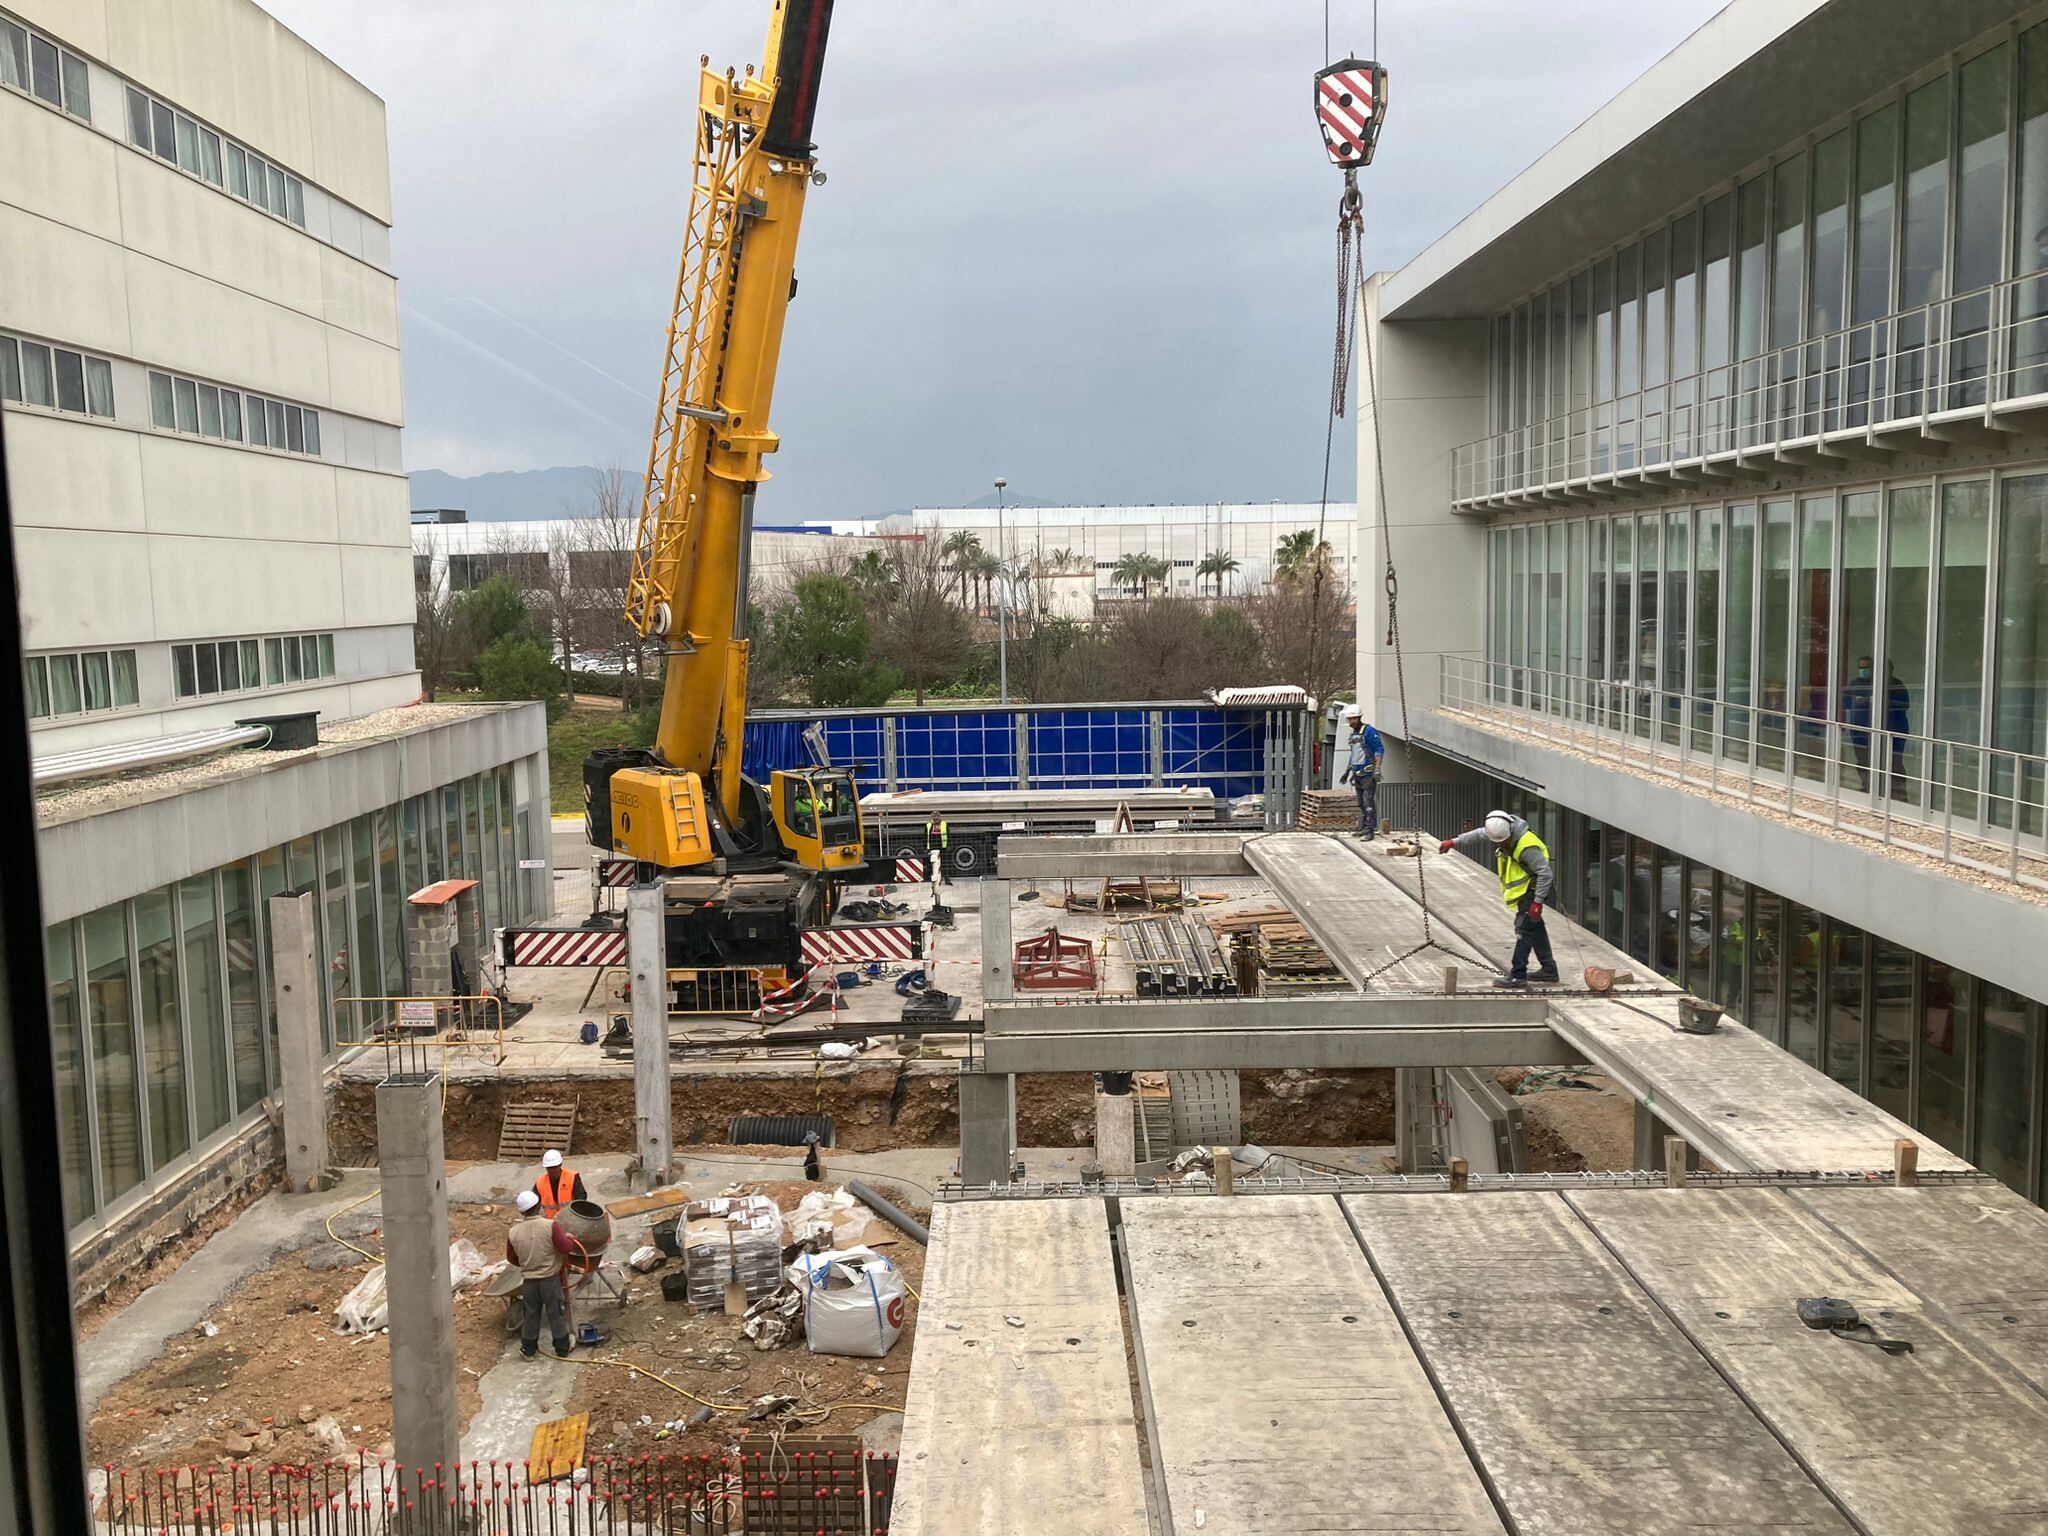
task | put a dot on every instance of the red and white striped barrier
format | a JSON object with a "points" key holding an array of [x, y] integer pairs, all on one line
{"points": [[565, 946], [869, 941], [909, 869], [815, 988], [618, 872]]}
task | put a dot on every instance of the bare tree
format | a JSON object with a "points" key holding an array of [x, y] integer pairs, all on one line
{"points": [[1310, 629], [433, 632], [598, 559], [922, 633]]}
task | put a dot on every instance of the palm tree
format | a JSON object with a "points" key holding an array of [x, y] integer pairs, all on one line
{"points": [[1129, 571], [872, 574], [961, 547], [985, 568], [1061, 561], [1294, 553], [1218, 563]]}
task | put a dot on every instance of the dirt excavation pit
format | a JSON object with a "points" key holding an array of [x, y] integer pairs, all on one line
{"points": [[1573, 1122], [276, 1385], [875, 1107]]}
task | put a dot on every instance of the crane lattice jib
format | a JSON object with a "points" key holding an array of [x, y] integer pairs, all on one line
{"points": [[728, 142]]}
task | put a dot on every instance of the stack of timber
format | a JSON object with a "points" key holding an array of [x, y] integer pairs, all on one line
{"points": [[1289, 960], [1329, 810]]}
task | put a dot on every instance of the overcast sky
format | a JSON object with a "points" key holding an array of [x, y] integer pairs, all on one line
{"points": [[1086, 244]]}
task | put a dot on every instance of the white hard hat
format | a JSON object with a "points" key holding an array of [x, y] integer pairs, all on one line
{"points": [[527, 1201], [1353, 712], [551, 1158], [1498, 825]]}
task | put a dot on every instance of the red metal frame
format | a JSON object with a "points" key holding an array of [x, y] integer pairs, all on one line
{"points": [[1051, 961]]}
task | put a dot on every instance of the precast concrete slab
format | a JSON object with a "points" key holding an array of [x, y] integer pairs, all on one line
{"points": [[1144, 855], [1366, 925], [1943, 1441], [1019, 1417], [1589, 1409], [1740, 1101], [1283, 1395]]}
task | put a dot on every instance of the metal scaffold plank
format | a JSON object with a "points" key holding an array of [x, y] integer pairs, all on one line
{"points": [[1013, 1428], [1589, 1411], [1284, 1396], [1938, 1442]]}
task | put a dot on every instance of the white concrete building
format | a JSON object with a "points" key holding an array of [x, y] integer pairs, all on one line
{"points": [[1716, 450], [200, 398], [1251, 533], [199, 361]]}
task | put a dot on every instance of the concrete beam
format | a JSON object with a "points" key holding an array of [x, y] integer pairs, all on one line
{"points": [[647, 957], [296, 972], [426, 1419], [998, 982], [1367, 1013], [1332, 1049], [1153, 855]]}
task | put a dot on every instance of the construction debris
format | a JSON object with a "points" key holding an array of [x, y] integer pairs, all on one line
{"points": [[1290, 961]]}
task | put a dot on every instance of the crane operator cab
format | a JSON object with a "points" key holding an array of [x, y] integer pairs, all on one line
{"points": [[817, 816]]}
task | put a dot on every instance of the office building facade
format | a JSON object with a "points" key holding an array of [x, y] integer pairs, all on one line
{"points": [[1719, 440], [199, 374]]}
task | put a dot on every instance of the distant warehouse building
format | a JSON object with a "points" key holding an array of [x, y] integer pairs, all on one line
{"points": [[199, 363], [1716, 457]]}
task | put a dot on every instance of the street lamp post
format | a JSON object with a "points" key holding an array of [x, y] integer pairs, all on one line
{"points": [[1002, 598]]}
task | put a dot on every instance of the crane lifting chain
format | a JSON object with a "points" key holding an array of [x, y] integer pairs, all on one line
{"points": [[1350, 147]]}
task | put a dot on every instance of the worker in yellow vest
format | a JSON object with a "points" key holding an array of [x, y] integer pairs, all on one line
{"points": [[1523, 864], [557, 1186]]}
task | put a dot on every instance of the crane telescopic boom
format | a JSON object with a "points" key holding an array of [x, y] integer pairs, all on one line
{"points": [[687, 803]]}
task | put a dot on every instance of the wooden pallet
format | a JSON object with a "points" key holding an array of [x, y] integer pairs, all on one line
{"points": [[1329, 810], [532, 1126]]}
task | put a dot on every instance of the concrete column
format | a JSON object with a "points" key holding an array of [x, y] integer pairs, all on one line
{"points": [[1116, 1134], [1415, 1146], [997, 983], [295, 971], [647, 955], [988, 1126], [426, 1424]]}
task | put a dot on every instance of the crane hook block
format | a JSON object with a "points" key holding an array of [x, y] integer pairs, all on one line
{"points": [[1351, 103]]}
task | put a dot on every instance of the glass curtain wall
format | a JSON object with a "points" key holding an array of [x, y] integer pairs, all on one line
{"points": [[1979, 222], [1813, 625], [1959, 642], [2019, 689]]}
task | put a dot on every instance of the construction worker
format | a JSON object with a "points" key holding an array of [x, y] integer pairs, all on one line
{"points": [[1523, 864], [1363, 771], [937, 834], [557, 1185], [530, 1249]]}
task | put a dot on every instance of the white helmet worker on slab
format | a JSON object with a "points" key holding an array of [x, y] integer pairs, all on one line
{"points": [[1362, 772], [1522, 862]]}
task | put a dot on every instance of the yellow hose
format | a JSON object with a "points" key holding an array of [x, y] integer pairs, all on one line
{"points": [[373, 1194]]}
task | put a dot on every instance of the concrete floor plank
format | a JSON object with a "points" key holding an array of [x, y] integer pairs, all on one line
{"points": [[1285, 1397], [1590, 1412], [1025, 1428], [1362, 923], [1978, 1251], [1940, 1442]]}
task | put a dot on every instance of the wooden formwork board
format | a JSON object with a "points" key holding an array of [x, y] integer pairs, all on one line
{"points": [[533, 1126]]}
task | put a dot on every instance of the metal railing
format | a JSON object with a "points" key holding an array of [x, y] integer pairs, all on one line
{"points": [[1949, 360], [1973, 807]]}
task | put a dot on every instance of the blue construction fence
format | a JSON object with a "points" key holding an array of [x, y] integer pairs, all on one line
{"points": [[1107, 746]]}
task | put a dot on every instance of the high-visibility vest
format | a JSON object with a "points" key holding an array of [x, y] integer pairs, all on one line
{"points": [[563, 1189], [936, 834], [1514, 876]]}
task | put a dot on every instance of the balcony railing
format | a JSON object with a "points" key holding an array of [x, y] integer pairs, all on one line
{"points": [[1967, 806], [1972, 357]]}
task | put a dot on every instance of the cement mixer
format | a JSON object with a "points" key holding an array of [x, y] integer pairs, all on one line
{"points": [[583, 1230]]}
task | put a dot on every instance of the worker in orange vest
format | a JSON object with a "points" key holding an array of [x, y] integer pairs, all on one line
{"points": [[557, 1185]]}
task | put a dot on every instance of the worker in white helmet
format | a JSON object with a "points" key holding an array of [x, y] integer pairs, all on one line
{"points": [[530, 1248], [557, 1186], [1368, 751], [1523, 864]]}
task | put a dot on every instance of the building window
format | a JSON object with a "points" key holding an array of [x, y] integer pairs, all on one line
{"points": [[56, 378], [195, 148], [80, 682], [207, 667], [34, 64], [213, 410]]}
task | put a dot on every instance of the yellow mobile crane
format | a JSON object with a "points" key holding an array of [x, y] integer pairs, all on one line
{"points": [[747, 866]]}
